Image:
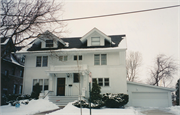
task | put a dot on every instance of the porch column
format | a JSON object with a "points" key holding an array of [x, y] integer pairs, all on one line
{"points": [[50, 82]]}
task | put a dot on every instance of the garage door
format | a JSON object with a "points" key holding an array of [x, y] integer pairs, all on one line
{"points": [[150, 99]]}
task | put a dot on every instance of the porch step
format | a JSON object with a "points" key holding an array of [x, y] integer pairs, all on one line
{"points": [[62, 100]]}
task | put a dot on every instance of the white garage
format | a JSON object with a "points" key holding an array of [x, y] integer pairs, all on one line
{"points": [[148, 96]]}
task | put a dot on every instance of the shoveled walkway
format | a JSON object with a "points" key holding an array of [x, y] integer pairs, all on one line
{"points": [[45, 112], [156, 112]]}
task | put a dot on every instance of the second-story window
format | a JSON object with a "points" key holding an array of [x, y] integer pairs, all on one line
{"points": [[100, 59], [45, 61], [42, 61], [21, 73], [49, 43], [63, 58], [77, 57]]}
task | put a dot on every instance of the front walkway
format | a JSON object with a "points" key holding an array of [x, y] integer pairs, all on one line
{"points": [[156, 112], [45, 112]]}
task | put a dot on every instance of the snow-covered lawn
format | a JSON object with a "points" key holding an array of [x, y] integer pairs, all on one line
{"points": [[34, 106], [40, 105], [72, 110]]}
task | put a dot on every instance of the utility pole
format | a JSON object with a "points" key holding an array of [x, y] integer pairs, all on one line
{"points": [[90, 81]]}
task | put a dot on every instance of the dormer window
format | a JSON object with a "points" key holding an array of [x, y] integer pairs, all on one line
{"points": [[49, 43], [95, 41]]}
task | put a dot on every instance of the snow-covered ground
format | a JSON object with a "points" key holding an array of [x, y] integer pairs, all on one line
{"points": [[40, 105], [72, 110], [34, 106]]}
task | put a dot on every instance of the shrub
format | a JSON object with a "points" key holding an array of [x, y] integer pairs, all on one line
{"points": [[82, 103], [15, 98], [36, 91], [115, 100], [108, 100], [95, 93]]}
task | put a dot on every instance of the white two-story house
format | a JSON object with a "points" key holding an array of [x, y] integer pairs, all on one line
{"points": [[64, 66]]}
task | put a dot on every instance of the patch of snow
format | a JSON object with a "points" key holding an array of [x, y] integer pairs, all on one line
{"points": [[175, 110], [34, 106], [66, 44], [123, 43], [5, 42], [72, 110], [15, 62], [24, 49]]}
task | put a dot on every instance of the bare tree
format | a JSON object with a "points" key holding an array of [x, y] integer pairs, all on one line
{"points": [[164, 69], [133, 62], [22, 20]]}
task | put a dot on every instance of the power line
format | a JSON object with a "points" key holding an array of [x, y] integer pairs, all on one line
{"points": [[99, 16]]}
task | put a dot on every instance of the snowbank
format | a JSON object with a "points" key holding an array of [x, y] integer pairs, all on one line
{"points": [[34, 106], [72, 110], [175, 110]]}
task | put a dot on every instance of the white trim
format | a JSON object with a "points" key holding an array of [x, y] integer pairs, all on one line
{"points": [[84, 38], [151, 86]]}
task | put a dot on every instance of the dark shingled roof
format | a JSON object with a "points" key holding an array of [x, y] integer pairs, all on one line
{"points": [[76, 43]]}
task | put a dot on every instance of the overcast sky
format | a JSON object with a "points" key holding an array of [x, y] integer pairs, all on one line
{"points": [[150, 33]]}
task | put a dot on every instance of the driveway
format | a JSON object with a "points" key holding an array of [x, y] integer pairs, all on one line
{"points": [[156, 112]]}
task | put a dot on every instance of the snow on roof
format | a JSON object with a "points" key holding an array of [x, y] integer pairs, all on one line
{"points": [[123, 43], [5, 42], [152, 86], [25, 48], [15, 62], [75, 50]]}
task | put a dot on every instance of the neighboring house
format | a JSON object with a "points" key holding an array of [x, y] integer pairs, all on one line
{"points": [[11, 70], [63, 66]]}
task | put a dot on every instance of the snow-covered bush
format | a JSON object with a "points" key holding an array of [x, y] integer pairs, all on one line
{"points": [[81, 103], [108, 100], [115, 100]]}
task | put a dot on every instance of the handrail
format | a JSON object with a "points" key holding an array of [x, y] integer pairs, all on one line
{"points": [[47, 94]]}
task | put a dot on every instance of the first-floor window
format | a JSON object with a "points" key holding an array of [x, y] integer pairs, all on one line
{"points": [[15, 89], [106, 81], [101, 81], [43, 83], [76, 78], [46, 84], [20, 89]]}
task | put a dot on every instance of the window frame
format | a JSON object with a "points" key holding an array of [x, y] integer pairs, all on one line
{"points": [[76, 80], [78, 57], [41, 85], [63, 58], [49, 43], [105, 82], [99, 60], [21, 73], [42, 62], [95, 41]]}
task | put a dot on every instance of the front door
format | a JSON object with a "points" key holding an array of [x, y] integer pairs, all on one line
{"points": [[61, 87]]}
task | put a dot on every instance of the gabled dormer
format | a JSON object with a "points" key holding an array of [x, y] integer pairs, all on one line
{"points": [[49, 40], [95, 38]]}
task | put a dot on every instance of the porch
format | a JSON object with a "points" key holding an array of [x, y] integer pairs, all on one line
{"points": [[66, 83]]}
